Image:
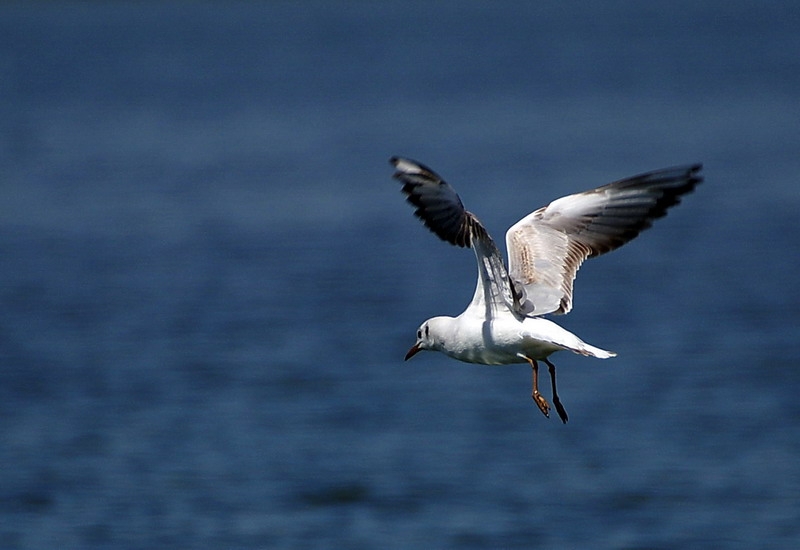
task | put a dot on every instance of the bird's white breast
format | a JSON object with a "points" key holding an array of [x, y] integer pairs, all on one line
{"points": [[499, 341]]}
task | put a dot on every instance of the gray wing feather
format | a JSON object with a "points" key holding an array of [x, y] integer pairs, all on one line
{"points": [[440, 209], [547, 247]]}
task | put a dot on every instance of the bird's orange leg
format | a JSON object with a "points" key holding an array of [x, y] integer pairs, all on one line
{"points": [[538, 398]]}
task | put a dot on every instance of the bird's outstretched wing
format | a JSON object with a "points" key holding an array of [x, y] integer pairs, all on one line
{"points": [[440, 208], [546, 248]]}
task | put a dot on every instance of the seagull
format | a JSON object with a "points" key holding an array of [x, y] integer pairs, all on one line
{"points": [[504, 323]]}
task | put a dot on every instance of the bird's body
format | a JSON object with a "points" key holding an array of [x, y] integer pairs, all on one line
{"points": [[503, 340], [503, 323]]}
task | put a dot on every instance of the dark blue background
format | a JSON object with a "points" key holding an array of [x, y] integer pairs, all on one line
{"points": [[209, 279]]}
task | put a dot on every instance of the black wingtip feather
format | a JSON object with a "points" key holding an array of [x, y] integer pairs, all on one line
{"points": [[443, 216], [671, 183]]}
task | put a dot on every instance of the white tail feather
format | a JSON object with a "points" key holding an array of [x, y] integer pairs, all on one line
{"points": [[587, 349]]}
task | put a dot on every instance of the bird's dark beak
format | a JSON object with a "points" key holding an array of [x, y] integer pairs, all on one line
{"points": [[413, 351]]}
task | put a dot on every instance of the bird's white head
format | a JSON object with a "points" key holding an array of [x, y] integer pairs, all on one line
{"points": [[430, 336]]}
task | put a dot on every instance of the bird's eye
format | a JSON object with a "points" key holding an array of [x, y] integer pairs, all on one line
{"points": [[419, 334]]}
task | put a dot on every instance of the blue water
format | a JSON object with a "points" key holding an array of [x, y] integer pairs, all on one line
{"points": [[209, 279]]}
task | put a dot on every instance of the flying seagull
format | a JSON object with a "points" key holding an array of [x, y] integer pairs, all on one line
{"points": [[504, 323]]}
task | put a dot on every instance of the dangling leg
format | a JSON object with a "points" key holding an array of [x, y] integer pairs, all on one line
{"points": [[538, 398], [556, 401]]}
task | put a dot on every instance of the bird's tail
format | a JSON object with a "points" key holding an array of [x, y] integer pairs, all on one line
{"points": [[587, 349]]}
